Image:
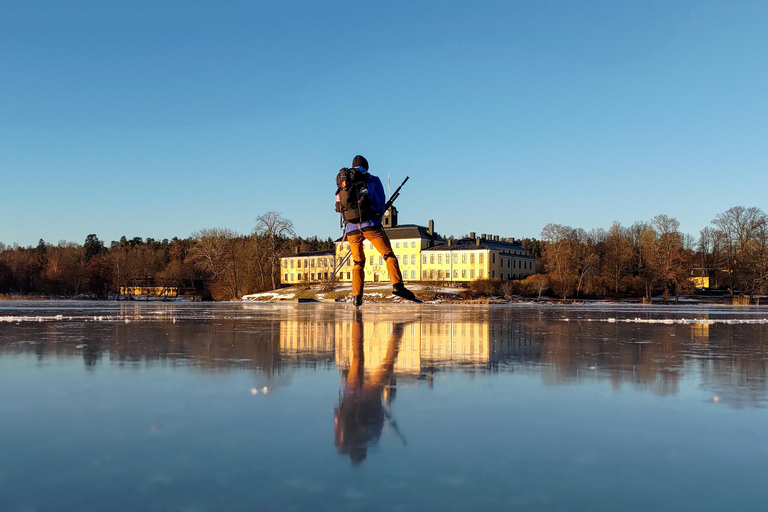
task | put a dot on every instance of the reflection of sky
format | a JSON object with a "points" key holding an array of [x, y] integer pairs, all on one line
{"points": [[665, 351]]}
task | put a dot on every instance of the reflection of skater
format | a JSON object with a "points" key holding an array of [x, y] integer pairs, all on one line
{"points": [[359, 418]]}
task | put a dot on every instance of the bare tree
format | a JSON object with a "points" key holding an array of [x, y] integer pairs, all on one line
{"points": [[741, 234], [216, 252], [617, 261], [275, 232], [559, 254]]}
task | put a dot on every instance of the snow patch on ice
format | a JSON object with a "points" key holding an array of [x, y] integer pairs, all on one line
{"points": [[676, 321]]}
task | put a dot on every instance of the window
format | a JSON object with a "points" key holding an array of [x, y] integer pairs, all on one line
{"points": [[455, 273], [381, 260], [432, 258], [455, 258], [424, 259], [472, 259], [349, 276], [493, 258], [291, 263], [439, 259], [480, 273], [313, 276], [370, 260], [480, 258], [424, 275], [413, 274], [326, 274], [298, 263], [306, 263], [509, 263], [286, 278], [463, 258], [431, 274], [397, 245], [299, 276], [439, 274], [413, 259], [463, 273], [413, 245], [493, 273], [471, 273]]}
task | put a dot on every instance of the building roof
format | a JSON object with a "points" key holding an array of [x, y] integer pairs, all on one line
{"points": [[408, 231], [466, 244], [329, 252]]}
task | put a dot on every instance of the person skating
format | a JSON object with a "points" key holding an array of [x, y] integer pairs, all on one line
{"points": [[362, 206]]}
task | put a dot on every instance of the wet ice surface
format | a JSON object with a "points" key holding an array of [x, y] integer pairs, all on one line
{"points": [[312, 407]]}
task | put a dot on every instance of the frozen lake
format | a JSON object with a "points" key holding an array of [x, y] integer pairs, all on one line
{"points": [[197, 407]]}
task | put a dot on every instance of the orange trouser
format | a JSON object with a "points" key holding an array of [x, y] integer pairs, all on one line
{"points": [[380, 241]]}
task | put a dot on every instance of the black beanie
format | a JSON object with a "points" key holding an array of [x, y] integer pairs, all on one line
{"points": [[360, 161]]}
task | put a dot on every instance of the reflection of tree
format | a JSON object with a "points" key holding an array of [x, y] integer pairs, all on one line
{"points": [[730, 359]]}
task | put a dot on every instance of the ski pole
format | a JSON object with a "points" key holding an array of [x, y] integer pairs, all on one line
{"points": [[339, 265]]}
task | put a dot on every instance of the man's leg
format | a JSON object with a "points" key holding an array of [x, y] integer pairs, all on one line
{"points": [[380, 241], [358, 262]]}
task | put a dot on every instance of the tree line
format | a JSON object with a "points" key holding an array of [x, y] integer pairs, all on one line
{"points": [[218, 263], [641, 260], [650, 258]]}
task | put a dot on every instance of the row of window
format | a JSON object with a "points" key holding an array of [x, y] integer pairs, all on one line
{"points": [[296, 277], [515, 263], [440, 274], [311, 262], [439, 258]]}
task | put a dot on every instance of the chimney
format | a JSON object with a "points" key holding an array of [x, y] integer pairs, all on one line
{"points": [[477, 241], [296, 250], [472, 234], [482, 236], [496, 238], [450, 242], [431, 228]]}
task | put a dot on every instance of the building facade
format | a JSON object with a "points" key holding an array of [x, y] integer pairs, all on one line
{"points": [[423, 255], [309, 267]]}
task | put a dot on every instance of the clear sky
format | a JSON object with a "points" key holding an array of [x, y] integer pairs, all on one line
{"points": [[158, 118]]}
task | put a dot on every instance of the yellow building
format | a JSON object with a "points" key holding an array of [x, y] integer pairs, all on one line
{"points": [[700, 278], [408, 243], [309, 267], [144, 292], [423, 255], [473, 258]]}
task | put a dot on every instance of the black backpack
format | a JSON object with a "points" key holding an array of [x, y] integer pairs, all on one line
{"points": [[353, 200]]}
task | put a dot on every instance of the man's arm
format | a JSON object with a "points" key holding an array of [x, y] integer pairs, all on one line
{"points": [[378, 199]]}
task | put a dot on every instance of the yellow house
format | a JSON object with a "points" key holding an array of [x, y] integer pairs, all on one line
{"points": [[408, 243], [309, 267], [423, 255], [700, 278], [473, 258]]}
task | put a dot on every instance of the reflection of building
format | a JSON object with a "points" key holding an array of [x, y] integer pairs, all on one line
{"points": [[423, 255], [423, 346], [308, 337]]}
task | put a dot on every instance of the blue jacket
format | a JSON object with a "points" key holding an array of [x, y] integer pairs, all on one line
{"points": [[378, 200]]}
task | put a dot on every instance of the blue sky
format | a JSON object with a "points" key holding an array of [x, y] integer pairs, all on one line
{"points": [[159, 118]]}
